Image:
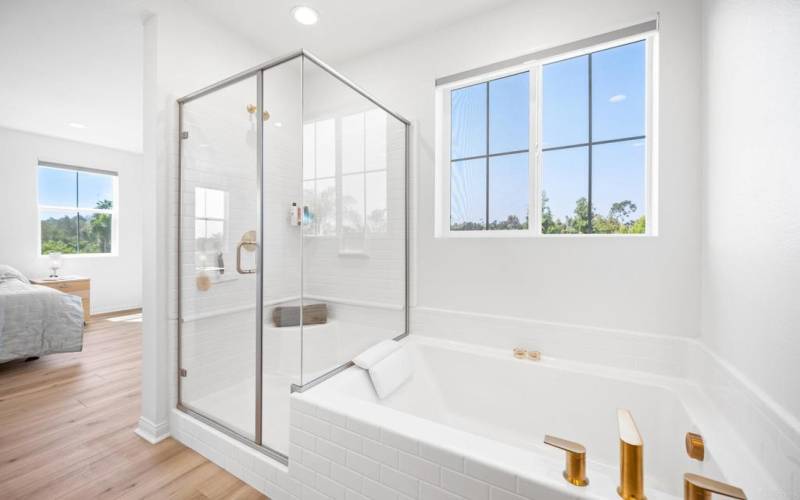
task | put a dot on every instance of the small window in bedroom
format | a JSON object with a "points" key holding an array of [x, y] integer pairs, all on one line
{"points": [[77, 210]]}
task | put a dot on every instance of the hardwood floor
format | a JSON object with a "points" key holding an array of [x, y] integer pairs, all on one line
{"points": [[67, 421]]}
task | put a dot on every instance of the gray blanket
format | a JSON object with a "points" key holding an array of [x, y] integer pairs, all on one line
{"points": [[37, 320]]}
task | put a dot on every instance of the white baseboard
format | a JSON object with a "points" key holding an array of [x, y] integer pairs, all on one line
{"points": [[151, 432], [113, 309]]}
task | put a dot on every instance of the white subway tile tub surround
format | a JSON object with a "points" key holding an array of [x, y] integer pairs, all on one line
{"points": [[345, 447], [384, 464], [481, 437]]}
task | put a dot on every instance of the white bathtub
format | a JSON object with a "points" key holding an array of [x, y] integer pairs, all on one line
{"points": [[489, 408]]}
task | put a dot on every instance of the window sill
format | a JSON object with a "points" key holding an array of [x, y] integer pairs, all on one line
{"points": [[83, 255], [501, 234]]}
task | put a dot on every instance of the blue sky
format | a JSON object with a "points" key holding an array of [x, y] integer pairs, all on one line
{"points": [[59, 187], [618, 110]]}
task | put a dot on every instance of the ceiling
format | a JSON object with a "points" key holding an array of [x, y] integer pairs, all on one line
{"points": [[73, 69], [73, 62], [346, 28]]}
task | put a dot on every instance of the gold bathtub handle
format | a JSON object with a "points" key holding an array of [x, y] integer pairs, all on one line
{"points": [[631, 458], [695, 446], [696, 487], [575, 468]]}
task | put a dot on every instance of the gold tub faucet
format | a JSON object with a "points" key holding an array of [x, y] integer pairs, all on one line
{"points": [[697, 487], [631, 458], [575, 468]]}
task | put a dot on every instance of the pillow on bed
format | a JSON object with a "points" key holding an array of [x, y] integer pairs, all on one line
{"points": [[9, 273]]}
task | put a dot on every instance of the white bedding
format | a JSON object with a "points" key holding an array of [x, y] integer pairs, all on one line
{"points": [[37, 320]]}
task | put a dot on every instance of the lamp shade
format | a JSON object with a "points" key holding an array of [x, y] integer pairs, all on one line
{"points": [[55, 259]]}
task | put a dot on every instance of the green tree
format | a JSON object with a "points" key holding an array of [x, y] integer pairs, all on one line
{"points": [[619, 220], [78, 233]]}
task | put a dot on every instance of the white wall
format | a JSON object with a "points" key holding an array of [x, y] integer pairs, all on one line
{"points": [[78, 61], [183, 52], [751, 233], [641, 284], [116, 279]]}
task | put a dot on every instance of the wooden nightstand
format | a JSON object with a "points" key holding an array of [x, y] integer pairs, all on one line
{"points": [[73, 285]]}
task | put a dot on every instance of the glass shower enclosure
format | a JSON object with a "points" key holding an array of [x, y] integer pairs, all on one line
{"points": [[292, 240]]}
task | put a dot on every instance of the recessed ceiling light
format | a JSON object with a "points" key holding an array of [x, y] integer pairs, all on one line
{"points": [[76, 125], [305, 15]]}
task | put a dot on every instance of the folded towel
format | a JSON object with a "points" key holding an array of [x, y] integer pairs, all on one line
{"points": [[376, 353], [391, 372], [313, 314]]}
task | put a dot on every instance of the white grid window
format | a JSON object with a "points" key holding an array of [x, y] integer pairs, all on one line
{"points": [[344, 174], [557, 146], [77, 210]]}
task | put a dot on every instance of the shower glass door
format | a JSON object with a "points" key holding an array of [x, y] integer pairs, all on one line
{"points": [[282, 249], [218, 256]]}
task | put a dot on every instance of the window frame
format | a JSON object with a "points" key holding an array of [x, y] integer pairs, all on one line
{"points": [[442, 180], [114, 211]]}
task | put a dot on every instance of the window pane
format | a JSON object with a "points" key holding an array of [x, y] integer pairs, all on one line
{"points": [[376, 201], [59, 231], [565, 189], [468, 121], [215, 203], [325, 202], [215, 232], [199, 231], [199, 202], [508, 113], [353, 143], [57, 187], [95, 233], [326, 148], [618, 187], [375, 122], [95, 190], [468, 195], [309, 149], [565, 102], [508, 191], [618, 92], [353, 203]]}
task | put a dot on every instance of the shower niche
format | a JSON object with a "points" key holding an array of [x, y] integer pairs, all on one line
{"points": [[292, 240]]}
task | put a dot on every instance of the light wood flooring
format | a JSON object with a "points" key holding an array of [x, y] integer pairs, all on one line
{"points": [[67, 422]]}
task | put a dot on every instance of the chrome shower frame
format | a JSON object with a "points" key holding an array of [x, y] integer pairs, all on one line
{"points": [[258, 71]]}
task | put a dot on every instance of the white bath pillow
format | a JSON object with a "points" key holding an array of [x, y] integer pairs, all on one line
{"points": [[391, 372], [379, 351]]}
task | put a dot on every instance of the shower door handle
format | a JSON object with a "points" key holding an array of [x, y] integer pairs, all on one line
{"points": [[239, 257]]}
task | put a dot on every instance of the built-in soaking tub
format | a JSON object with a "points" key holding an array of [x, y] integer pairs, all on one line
{"points": [[472, 420]]}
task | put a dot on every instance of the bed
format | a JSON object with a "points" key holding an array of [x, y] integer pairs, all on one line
{"points": [[36, 320]]}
